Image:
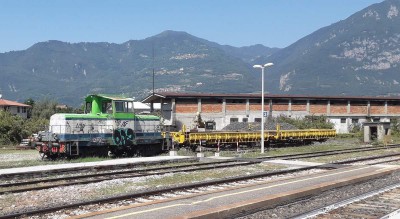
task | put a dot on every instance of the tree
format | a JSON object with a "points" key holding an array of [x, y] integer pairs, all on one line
{"points": [[11, 128], [44, 109], [30, 102]]}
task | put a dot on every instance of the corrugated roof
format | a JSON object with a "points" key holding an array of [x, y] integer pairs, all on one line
{"points": [[267, 96], [4, 102]]}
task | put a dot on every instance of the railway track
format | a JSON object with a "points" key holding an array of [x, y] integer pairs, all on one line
{"points": [[103, 176], [176, 190], [383, 203], [98, 177], [330, 152]]}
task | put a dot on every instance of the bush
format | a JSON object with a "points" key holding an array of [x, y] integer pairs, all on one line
{"points": [[308, 122], [395, 126]]}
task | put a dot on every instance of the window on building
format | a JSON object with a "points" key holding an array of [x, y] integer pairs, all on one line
{"points": [[376, 119], [18, 109], [354, 120], [257, 119], [232, 120], [342, 120], [245, 120], [23, 109]]}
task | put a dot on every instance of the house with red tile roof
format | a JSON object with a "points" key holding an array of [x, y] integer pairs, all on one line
{"points": [[15, 108]]}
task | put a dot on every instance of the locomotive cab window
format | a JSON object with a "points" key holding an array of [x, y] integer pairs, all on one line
{"points": [[88, 107], [123, 106], [106, 107]]}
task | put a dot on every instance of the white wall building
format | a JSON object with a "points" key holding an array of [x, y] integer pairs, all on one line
{"points": [[15, 108]]}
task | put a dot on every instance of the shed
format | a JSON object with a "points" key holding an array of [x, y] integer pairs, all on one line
{"points": [[376, 130]]}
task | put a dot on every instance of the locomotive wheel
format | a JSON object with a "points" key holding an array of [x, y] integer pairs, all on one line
{"points": [[53, 157]]}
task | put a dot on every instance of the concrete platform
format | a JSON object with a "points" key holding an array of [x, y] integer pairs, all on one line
{"points": [[294, 163], [229, 201], [112, 162]]}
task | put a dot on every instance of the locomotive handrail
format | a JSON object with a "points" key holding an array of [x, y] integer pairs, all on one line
{"points": [[102, 129]]}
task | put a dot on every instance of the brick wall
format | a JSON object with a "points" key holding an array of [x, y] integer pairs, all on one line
{"points": [[358, 109], [393, 109], [235, 107], [377, 109], [318, 108], [280, 107], [186, 108], [339, 109], [299, 107], [257, 107], [211, 107]]}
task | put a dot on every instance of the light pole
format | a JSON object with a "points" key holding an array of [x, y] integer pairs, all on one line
{"points": [[262, 101]]}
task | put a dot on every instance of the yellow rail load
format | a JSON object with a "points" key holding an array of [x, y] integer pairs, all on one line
{"points": [[223, 137]]}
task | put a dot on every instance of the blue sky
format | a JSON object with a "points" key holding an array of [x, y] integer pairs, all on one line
{"points": [[273, 23]]}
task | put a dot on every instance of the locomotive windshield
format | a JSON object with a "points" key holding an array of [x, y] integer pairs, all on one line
{"points": [[123, 106]]}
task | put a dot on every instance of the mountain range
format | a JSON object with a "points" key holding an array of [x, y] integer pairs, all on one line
{"points": [[356, 56]]}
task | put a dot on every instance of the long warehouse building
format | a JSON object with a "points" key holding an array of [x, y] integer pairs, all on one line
{"points": [[178, 109]]}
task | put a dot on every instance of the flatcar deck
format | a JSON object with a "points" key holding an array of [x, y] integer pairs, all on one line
{"points": [[246, 137]]}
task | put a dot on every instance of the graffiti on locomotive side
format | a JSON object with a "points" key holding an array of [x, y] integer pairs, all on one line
{"points": [[80, 126], [121, 123], [123, 137], [99, 140]]}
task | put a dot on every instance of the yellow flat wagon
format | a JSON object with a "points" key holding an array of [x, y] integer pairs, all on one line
{"points": [[222, 137]]}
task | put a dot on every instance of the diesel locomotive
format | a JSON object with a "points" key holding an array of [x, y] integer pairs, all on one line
{"points": [[109, 126]]}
